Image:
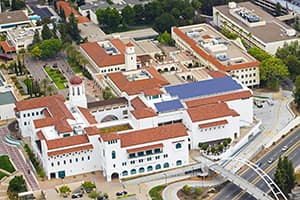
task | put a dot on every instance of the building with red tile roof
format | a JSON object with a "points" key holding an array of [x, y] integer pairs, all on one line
{"points": [[68, 10], [212, 49]]}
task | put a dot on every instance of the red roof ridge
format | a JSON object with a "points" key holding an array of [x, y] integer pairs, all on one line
{"points": [[67, 141]]}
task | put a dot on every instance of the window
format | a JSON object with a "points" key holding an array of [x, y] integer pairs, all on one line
{"points": [[76, 159], [142, 170], [114, 165], [52, 164], [113, 155], [158, 166], [25, 123], [156, 150], [166, 165], [148, 152], [132, 162], [149, 168], [124, 164], [24, 115], [133, 171], [125, 173], [125, 112], [140, 153], [88, 157], [149, 159], [58, 163], [141, 160], [157, 157], [166, 155], [178, 146], [178, 162], [82, 158], [64, 162], [70, 160], [78, 91], [37, 113], [132, 155], [32, 113], [28, 114]]}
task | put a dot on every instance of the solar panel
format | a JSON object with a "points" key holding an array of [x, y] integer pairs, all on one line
{"points": [[203, 88], [168, 105]]}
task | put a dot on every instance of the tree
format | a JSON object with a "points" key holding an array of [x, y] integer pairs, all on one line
{"points": [[46, 32], [88, 186], [164, 22], [128, 15], [109, 17], [49, 48], [36, 38], [139, 11], [278, 9], [284, 175], [72, 27], [196, 4], [297, 91], [94, 195], [36, 52], [165, 38], [44, 83], [107, 94], [272, 71], [17, 4], [16, 185], [64, 190], [258, 53], [50, 90]]}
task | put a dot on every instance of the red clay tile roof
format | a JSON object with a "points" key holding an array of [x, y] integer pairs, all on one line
{"points": [[216, 74], [75, 80], [210, 58], [152, 134], [41, 135], [145, 148], [138, 86], [70, 150], [141, 111], [210, 111], [100, 57], [57, 115], [67, 141], [212, 124], [87, 115], [5, 46], [92, 130], [219, 98], [129, 44], [153, 91], [109, 136], [68, 9]]}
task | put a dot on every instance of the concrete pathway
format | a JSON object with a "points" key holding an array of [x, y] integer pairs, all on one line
{"points": [[19, 161], [170, 192]]}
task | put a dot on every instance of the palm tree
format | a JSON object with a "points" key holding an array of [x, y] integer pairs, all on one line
{"points": [[50, 90], [44, 83]]}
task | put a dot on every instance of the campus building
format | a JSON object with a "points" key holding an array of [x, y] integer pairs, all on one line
{"points": [[7, 99], [254, 25], [155, 124], [213, 50]]}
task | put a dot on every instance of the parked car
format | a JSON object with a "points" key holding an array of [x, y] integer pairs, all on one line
{"points": [[258, 164], [121, 193], [270, 160], [76, 195]]}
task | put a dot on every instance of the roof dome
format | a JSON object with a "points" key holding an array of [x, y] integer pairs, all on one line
{"points": [[75, 80]]}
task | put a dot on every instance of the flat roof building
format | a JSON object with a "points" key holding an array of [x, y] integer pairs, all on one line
{"points": [[215, 51], [254, 25], [12, 19]]}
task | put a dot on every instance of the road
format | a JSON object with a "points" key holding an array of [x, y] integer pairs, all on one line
{"points": [[231, 191]]}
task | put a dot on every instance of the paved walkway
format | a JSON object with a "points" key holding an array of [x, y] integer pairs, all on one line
{"points": [[18, 160], [170, 192]]}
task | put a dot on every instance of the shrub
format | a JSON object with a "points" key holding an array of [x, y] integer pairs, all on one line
{"points": [[88, 186], [187, 189], [34, 162], [155, 193]]}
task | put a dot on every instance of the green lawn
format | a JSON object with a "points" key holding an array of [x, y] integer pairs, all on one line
{"points": [[76, 68], [6, 164], [2, 175], [155, 193], [57, 77]]}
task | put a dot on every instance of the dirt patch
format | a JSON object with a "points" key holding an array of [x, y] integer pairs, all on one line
{"points": [[183, 196], [265, 90], [294, 108]]}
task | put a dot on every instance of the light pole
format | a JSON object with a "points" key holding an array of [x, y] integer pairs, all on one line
{"points": [[166, 180]]}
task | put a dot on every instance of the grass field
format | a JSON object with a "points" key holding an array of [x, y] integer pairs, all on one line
{"points": [[6, 164], [57, 77]]}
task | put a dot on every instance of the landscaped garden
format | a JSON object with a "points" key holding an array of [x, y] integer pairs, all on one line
{"points": [[2, 175], [6, 165], [110, 129], [57, 77], [155, 193], [215, 149], [189, 193]]}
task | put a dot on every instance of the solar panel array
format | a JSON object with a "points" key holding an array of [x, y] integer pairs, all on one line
{"points": [[166, 106], [42, 12], [203, 88]]}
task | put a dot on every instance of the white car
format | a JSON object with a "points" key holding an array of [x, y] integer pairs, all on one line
{"points": [[270, 160], [284, 148]]}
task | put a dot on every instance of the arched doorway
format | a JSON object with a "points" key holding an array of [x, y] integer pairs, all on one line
{"points": [[114, 175]]}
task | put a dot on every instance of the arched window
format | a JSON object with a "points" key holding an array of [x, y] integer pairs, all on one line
{"points": [[73, 91], [178, 162], [125, 173], [149, 168], [158, 166], [113, 155], [133, 171], [166, 165], [178, 145], [142, 170], [78, 91]]}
